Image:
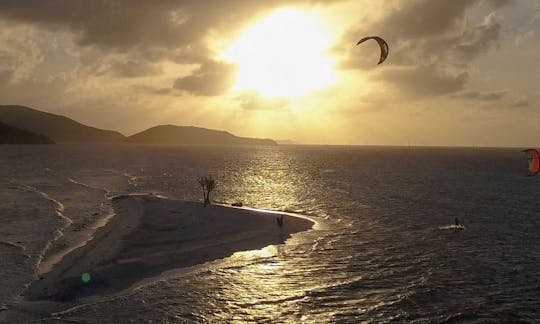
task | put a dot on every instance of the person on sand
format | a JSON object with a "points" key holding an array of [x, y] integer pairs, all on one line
{"points": [[456, 221], [279, 221]]}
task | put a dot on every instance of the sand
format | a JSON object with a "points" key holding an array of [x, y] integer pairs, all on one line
{"points": [[149, 236]]}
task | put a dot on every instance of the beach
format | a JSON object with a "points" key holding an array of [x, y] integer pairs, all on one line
{"points": [[150, 235]]}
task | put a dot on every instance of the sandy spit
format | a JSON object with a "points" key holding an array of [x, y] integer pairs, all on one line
{"points": [[151, 235]]}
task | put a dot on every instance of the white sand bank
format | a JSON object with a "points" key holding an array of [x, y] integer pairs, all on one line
{"points": [[151, 235]]}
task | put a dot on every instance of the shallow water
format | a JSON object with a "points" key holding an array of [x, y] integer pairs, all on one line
{"points": [[384, 251]]}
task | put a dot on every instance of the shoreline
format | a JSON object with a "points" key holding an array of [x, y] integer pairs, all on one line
{"points": [[149, 235], [72, 243]]}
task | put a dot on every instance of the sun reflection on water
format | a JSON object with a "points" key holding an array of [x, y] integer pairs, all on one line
{"points": [[262, 290], [268, 180]]}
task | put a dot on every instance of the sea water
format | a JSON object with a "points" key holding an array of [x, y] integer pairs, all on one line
{"points": [[384, 249]]}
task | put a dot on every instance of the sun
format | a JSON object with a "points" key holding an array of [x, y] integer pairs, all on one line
{"points": [[283, 55]]}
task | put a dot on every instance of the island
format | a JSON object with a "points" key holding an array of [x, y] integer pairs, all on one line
{"points": [[151, 235], [190, 135], [14, 135]]}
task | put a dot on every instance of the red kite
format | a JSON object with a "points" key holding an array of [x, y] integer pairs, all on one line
{"points": [[534, 161]]}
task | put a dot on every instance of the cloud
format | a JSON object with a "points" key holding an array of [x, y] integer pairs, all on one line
{"points": [[212, 78], [153, 90], [498, 99], [420, 19], [124, 25], [524, 37], [482, 96], [406, 28], [423, 32], [5, 77], [415, 82], [20, 52], [35, 92], [477, 39], [520, 103], [129, 38], [111, 23], [253, 101], [501, 3], [134, 69]]}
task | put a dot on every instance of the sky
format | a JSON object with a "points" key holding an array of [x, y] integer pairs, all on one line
{"points": [[459, 73]]}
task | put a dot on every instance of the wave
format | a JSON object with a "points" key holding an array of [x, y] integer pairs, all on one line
{"points": [[107, 192], [452, 227], [59, 209], [13, 245], [84, 236], [131, 178]]}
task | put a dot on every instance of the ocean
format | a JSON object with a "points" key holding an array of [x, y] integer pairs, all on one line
{"points": [[383, 249]]}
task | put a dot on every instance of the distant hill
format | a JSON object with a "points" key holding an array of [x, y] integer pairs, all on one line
{"points": [[286, 142], [13, 135], [190, 135], [59, 128]]}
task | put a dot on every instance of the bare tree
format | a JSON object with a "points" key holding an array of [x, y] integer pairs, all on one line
{"points": [[207, 185]]}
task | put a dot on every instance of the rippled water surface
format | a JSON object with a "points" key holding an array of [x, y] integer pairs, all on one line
{"points": [[383, 250]]}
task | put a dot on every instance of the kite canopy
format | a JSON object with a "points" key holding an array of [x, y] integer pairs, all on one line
{"points": [[382, 44], [534, 161]]}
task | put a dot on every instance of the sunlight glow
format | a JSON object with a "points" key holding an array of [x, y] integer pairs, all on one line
{"points": [[283, 55]]}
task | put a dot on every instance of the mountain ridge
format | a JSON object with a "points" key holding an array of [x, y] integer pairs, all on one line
{"points": [[61, 129]]}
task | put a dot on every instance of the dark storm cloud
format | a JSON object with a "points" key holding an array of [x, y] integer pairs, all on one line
{"points": [[212, 78]]}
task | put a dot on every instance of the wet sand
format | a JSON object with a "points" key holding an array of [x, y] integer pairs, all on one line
{"points": [[151, 235]]}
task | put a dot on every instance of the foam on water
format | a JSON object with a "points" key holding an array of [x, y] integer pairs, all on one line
{"points": [[107, 192], [452, 227], [59, 208]]}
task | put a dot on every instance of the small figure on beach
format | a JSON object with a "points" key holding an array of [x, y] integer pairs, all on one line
{"points": [[457, 222], [279, 221]]}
